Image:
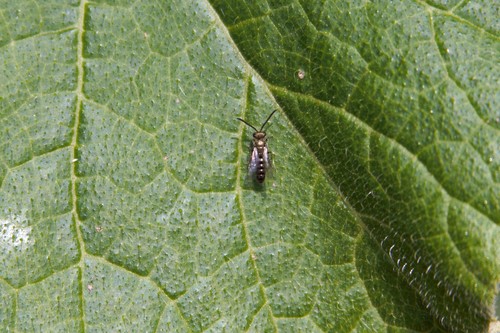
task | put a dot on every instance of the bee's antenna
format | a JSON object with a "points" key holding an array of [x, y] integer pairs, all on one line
{"points": [[247, 124], [264, 124]]}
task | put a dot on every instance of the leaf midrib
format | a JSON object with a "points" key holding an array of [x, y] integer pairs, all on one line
{"points": [[79, 101]]}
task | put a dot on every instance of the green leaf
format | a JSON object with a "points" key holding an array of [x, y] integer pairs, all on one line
{"points": [[125, 203]]}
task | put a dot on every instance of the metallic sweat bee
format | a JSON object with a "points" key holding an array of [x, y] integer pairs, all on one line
{"points": [[260, 160]]}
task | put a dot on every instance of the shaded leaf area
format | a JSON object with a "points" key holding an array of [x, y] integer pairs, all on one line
{"points": [[399, 104], [125, 204]]}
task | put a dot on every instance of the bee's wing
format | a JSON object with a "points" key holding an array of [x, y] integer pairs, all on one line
{"points": [[268, 163], [254, 161]]}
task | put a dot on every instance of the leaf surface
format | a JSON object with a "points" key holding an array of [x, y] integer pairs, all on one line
{"points": [[125, 202]]}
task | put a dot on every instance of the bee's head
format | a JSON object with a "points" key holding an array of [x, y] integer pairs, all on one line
{"points": [[259, 135]]}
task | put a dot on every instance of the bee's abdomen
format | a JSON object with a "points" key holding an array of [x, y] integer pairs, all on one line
{"points": [[261, 171]]}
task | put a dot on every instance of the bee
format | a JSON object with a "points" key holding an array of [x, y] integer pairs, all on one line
{"points": [[260, 160]]}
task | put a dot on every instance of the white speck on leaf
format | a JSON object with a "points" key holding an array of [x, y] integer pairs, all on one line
{"points": [[15, 232]]}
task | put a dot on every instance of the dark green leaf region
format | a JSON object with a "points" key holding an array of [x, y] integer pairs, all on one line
{"points": [[126, 201]]}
